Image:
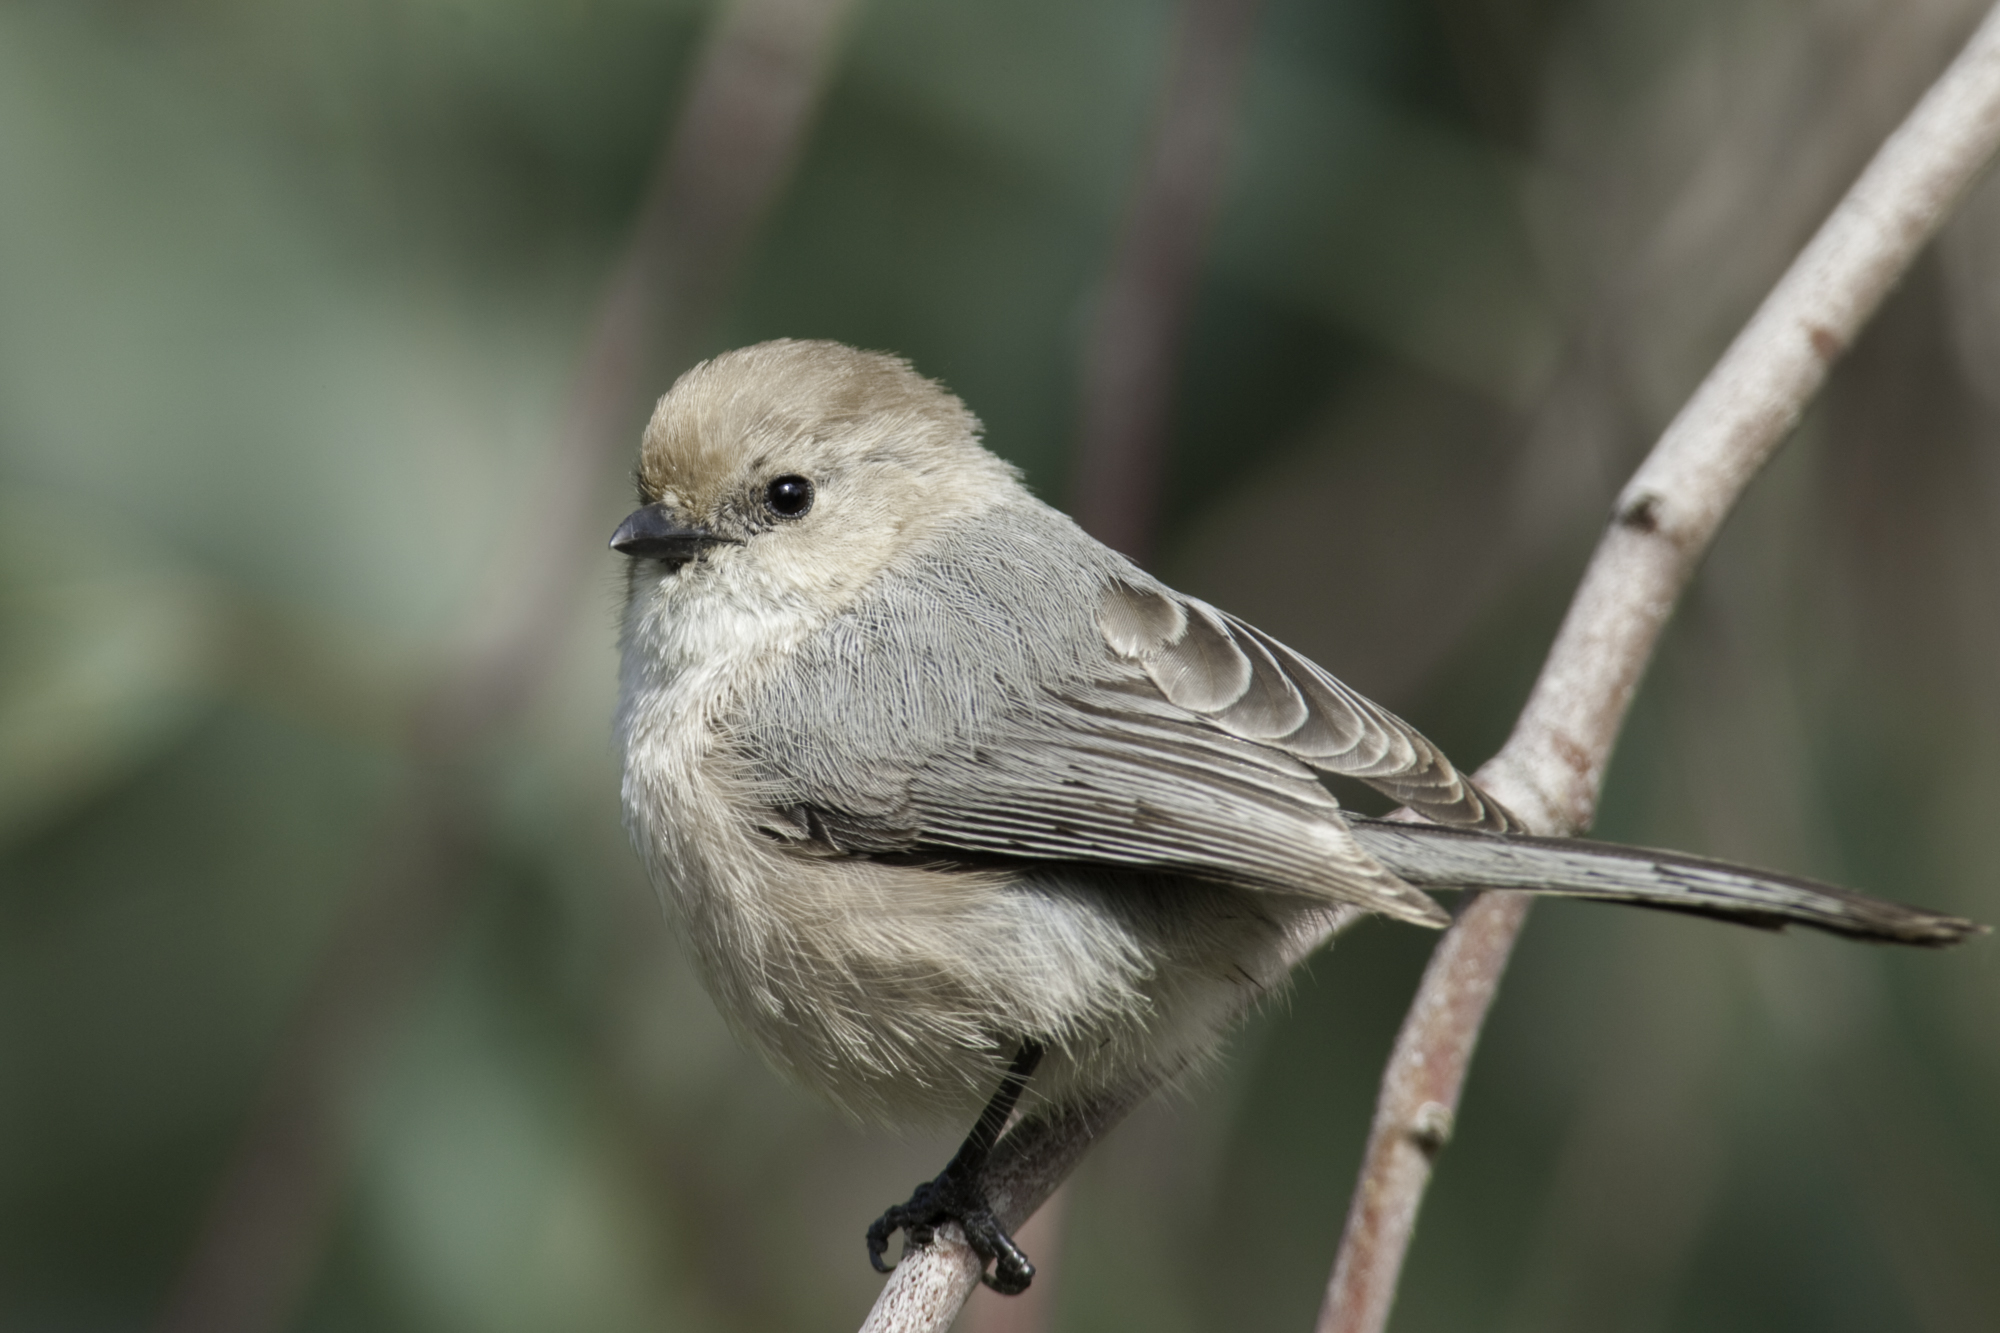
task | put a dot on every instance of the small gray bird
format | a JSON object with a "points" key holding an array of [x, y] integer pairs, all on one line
{"points": [[945, 794]]}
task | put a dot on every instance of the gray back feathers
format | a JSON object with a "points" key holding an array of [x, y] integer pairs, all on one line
{"points": [[1014, 689]]}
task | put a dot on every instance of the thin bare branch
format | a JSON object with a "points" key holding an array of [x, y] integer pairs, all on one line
{"points": [[1552, 767], [728, 153]]}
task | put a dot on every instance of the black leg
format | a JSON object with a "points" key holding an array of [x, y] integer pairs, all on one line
{"points": [[955, 1196]]}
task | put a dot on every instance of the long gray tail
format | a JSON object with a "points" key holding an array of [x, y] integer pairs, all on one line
{"points": [[1433, 856]]}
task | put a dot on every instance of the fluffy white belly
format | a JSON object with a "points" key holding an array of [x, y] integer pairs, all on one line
{"points": [[901, 991]]}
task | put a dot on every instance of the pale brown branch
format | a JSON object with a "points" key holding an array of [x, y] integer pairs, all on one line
{"points": [[730, 149], [1552, 767]]}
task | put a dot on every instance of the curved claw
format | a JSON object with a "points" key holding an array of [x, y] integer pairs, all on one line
{"points": [[956, 1195], [946, 1200], [1011, 1270], [879, 1232]]}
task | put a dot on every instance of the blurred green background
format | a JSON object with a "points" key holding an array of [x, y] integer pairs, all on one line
{"points": [[293, 296]]}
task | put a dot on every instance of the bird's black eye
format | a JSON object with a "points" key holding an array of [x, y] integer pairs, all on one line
{"points": [[789, 497]]}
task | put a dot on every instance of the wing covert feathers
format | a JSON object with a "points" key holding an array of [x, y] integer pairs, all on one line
{"points": [[989, 704], [1246, 683], [1436, 857]]}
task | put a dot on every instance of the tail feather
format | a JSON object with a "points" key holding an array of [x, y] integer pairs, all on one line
{"points": [[1433, 856]]}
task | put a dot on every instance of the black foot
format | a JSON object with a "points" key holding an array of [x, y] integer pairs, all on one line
{"points": [[956, 1196], [953, 1198]]}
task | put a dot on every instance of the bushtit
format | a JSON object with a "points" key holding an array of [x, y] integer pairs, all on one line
{"points": [[947, 795]]}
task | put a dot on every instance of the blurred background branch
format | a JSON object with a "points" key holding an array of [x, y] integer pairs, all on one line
{"points": [[1132, 357], [725, 157]]}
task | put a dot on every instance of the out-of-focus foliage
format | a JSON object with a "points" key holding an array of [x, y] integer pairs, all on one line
{"points": [[290, 298]]}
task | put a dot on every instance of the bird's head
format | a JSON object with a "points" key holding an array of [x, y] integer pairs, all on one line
{"points": [[798, 470]]}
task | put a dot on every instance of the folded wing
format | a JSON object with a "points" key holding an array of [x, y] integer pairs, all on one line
{"points": [[1242, 681], [950, 716]]}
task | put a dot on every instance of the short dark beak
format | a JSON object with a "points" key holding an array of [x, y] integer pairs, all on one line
{"points": [[657, 533]]}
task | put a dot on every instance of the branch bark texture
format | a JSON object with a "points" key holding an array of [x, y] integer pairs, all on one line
{"points": [[1552, 768]]}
